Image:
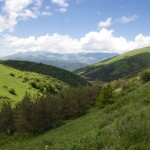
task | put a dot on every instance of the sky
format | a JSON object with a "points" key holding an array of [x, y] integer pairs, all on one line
{"points": [[73, 26]]}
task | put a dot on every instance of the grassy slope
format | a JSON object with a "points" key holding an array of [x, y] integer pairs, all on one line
{"points": [[128, 54], [58, 73], [119, 66], [16, 82], [123, 125]]}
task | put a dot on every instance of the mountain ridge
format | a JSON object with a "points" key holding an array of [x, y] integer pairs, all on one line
{"points": [[118, 66], [69, 62]]}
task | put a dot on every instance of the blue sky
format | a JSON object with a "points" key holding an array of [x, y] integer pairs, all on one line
{"points": [[72, 26]]}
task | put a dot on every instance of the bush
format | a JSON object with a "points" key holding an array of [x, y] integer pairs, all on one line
{"points": [[6, 87], [33, 84], [25, 79], [145, 76], [12, 74], [12, 91], [105, 96]]}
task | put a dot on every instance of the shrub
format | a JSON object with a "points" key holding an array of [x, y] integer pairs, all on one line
{"points": [[25, 79], [105, 96], [145, 76], [12, 91], [12, 74], [33, 84]]}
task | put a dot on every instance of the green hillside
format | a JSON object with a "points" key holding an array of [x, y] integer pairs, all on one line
{"points": [[117, 67], [125, 124], [14, 84], [60, 74]]}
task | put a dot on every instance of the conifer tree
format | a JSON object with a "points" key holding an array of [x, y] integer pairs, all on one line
{"points": [[6, 119]]}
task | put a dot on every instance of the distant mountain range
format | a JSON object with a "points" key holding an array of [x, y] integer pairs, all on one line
{"points": [[117, 67], [69, 62]]}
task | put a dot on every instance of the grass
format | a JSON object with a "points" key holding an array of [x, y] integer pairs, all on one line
{"points": [[120, 126], [57, 73], [62, 137], [20, 82], [117, 67], [128, 54]]}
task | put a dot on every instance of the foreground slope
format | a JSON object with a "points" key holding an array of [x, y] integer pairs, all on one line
{"points": [[14, 84], [120, 126], [117, 67], [60, 74]]}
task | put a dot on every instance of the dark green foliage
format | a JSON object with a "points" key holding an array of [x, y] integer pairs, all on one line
{"points": [[145, 76], [61, 74], [12, 91], [49, 111], [23, 115], [117, 69], [12, 74], [25, 79], [76, 102], [6, 119], [105, 96]]}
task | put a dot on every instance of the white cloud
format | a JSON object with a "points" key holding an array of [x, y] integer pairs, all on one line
{"points": [[27, 14], [101, 41], [62, 4], [2, 23], [106, 23], [46, 13], [62, 10], [12, 11], [54, 43], [127, 19], [47, 7], [15, 10]]}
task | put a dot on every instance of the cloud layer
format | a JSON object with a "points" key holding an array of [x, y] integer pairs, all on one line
{"points": [[127, 19], [14, 10], [62, 4], [101, 41]]}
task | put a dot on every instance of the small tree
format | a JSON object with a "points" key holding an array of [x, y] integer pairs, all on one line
{"points": [[6, 119], [145, 76], [23, 115], [105, 96]]}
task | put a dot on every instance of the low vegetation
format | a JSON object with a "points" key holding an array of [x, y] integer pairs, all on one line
{"points": [[15, 83], [145, 76]]}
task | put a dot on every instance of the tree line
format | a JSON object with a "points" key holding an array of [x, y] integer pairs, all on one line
{"points": [[46, 112], [58, 73]]}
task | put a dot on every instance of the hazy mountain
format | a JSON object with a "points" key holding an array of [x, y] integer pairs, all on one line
{"points": [[66, 61]]}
